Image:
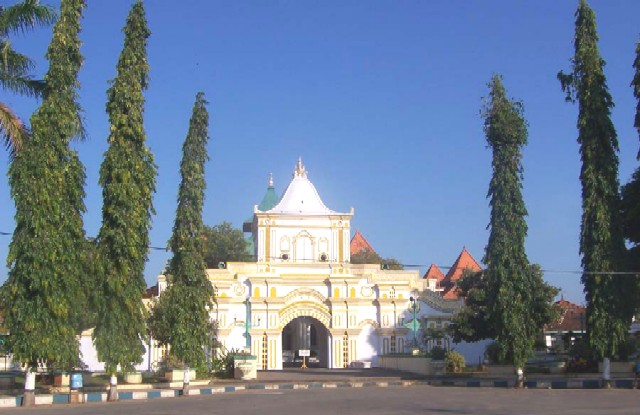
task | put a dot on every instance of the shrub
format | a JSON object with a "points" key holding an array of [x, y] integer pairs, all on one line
{"points": [[581, 365], [455, 361], [438, 353]]}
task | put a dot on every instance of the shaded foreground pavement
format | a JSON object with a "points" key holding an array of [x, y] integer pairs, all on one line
{"points": [[421, 399], [355, 391]]}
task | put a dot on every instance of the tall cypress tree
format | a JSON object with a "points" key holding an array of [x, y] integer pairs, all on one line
{"points": [[181, 316], [519, 300], [635, 84], [127, 176], [601, 243], [41, 298], [631, 191]]}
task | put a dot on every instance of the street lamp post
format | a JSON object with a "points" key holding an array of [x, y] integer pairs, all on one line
{"points": [[414, 305], [247, 323]]}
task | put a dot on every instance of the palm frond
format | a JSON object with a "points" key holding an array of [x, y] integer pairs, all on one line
{"points": [[22, 85], [12, 130], [12, 62], [24, 16]]}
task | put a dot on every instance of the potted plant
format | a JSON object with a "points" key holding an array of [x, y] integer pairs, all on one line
{"points": [[173, 369]]}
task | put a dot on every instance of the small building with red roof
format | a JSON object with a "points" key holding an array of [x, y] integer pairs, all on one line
{"points": [[446, 284], [572, 320], [359, 244]]}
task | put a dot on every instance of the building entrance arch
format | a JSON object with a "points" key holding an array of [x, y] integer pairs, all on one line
{"points": [[305, 333]]}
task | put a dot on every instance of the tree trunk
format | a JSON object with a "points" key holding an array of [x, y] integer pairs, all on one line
{"points": [[113, 389], [29, 398], [606, 373], [185, 382], [519, 378]]}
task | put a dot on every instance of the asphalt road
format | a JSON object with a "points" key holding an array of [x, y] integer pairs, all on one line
{"points": [[412, 400]]}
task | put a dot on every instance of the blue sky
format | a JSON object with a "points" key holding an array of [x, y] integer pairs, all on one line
{"points": [[381, 100]]}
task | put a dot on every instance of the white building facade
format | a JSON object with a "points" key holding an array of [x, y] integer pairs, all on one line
{"points": [[302, 293]]}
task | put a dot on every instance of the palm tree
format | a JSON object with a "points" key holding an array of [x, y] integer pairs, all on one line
{"points": [[15, 67]]}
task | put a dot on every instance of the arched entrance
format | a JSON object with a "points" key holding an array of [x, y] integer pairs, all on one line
{"points": [[305, 333]]}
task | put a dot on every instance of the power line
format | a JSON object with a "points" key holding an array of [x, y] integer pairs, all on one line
{"points": [[545, 271]]}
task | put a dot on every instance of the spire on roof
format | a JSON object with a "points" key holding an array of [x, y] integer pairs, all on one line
{"points": [[300, 170], [270, 198]]}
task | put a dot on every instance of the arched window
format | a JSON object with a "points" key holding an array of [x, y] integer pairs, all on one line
{"points": [[303, 247]]}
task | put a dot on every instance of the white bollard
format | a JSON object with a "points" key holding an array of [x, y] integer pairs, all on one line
{"points": [[185, 382]]}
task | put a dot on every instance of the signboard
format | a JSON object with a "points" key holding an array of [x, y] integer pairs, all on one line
{"points": [[76, 380], [304, 353]]}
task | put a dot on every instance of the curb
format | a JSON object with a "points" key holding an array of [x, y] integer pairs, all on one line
{"points": [[66, 398], [537, 384]]}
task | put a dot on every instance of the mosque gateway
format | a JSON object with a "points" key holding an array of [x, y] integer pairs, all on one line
{"points": [[302, 292]]}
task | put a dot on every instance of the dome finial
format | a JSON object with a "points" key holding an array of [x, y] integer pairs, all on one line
{"points": [[270, 185], [300, 171]]}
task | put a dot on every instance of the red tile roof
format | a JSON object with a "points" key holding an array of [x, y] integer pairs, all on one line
{"points": [[434, 272], [450, 293], [572, 318], [464, 261], [359, 244], [151, 292]]}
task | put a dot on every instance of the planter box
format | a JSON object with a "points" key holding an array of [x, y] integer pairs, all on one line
{"points": [[134, 378], [414, 364], [361, 364], [177, 375], [619, 367], [501, 370], [245, 367], [7, 381]]}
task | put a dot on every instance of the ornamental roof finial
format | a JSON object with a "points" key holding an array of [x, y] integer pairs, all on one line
{"points": [[270, 180], [300, 170]]}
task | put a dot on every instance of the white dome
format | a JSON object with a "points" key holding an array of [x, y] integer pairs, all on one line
{"points": [[301, 197]]}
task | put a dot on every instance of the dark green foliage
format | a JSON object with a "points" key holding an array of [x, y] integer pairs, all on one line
{"points": [[366, 257], [635, 84], [127, 176], [222, 243], [88, 303], [392, 264], [15, 68], [631, 191], [43, 295], [181, 318], [609, 297], [438, 353], [630, 208], [371, 257], [516, 302], [472, 323]]}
